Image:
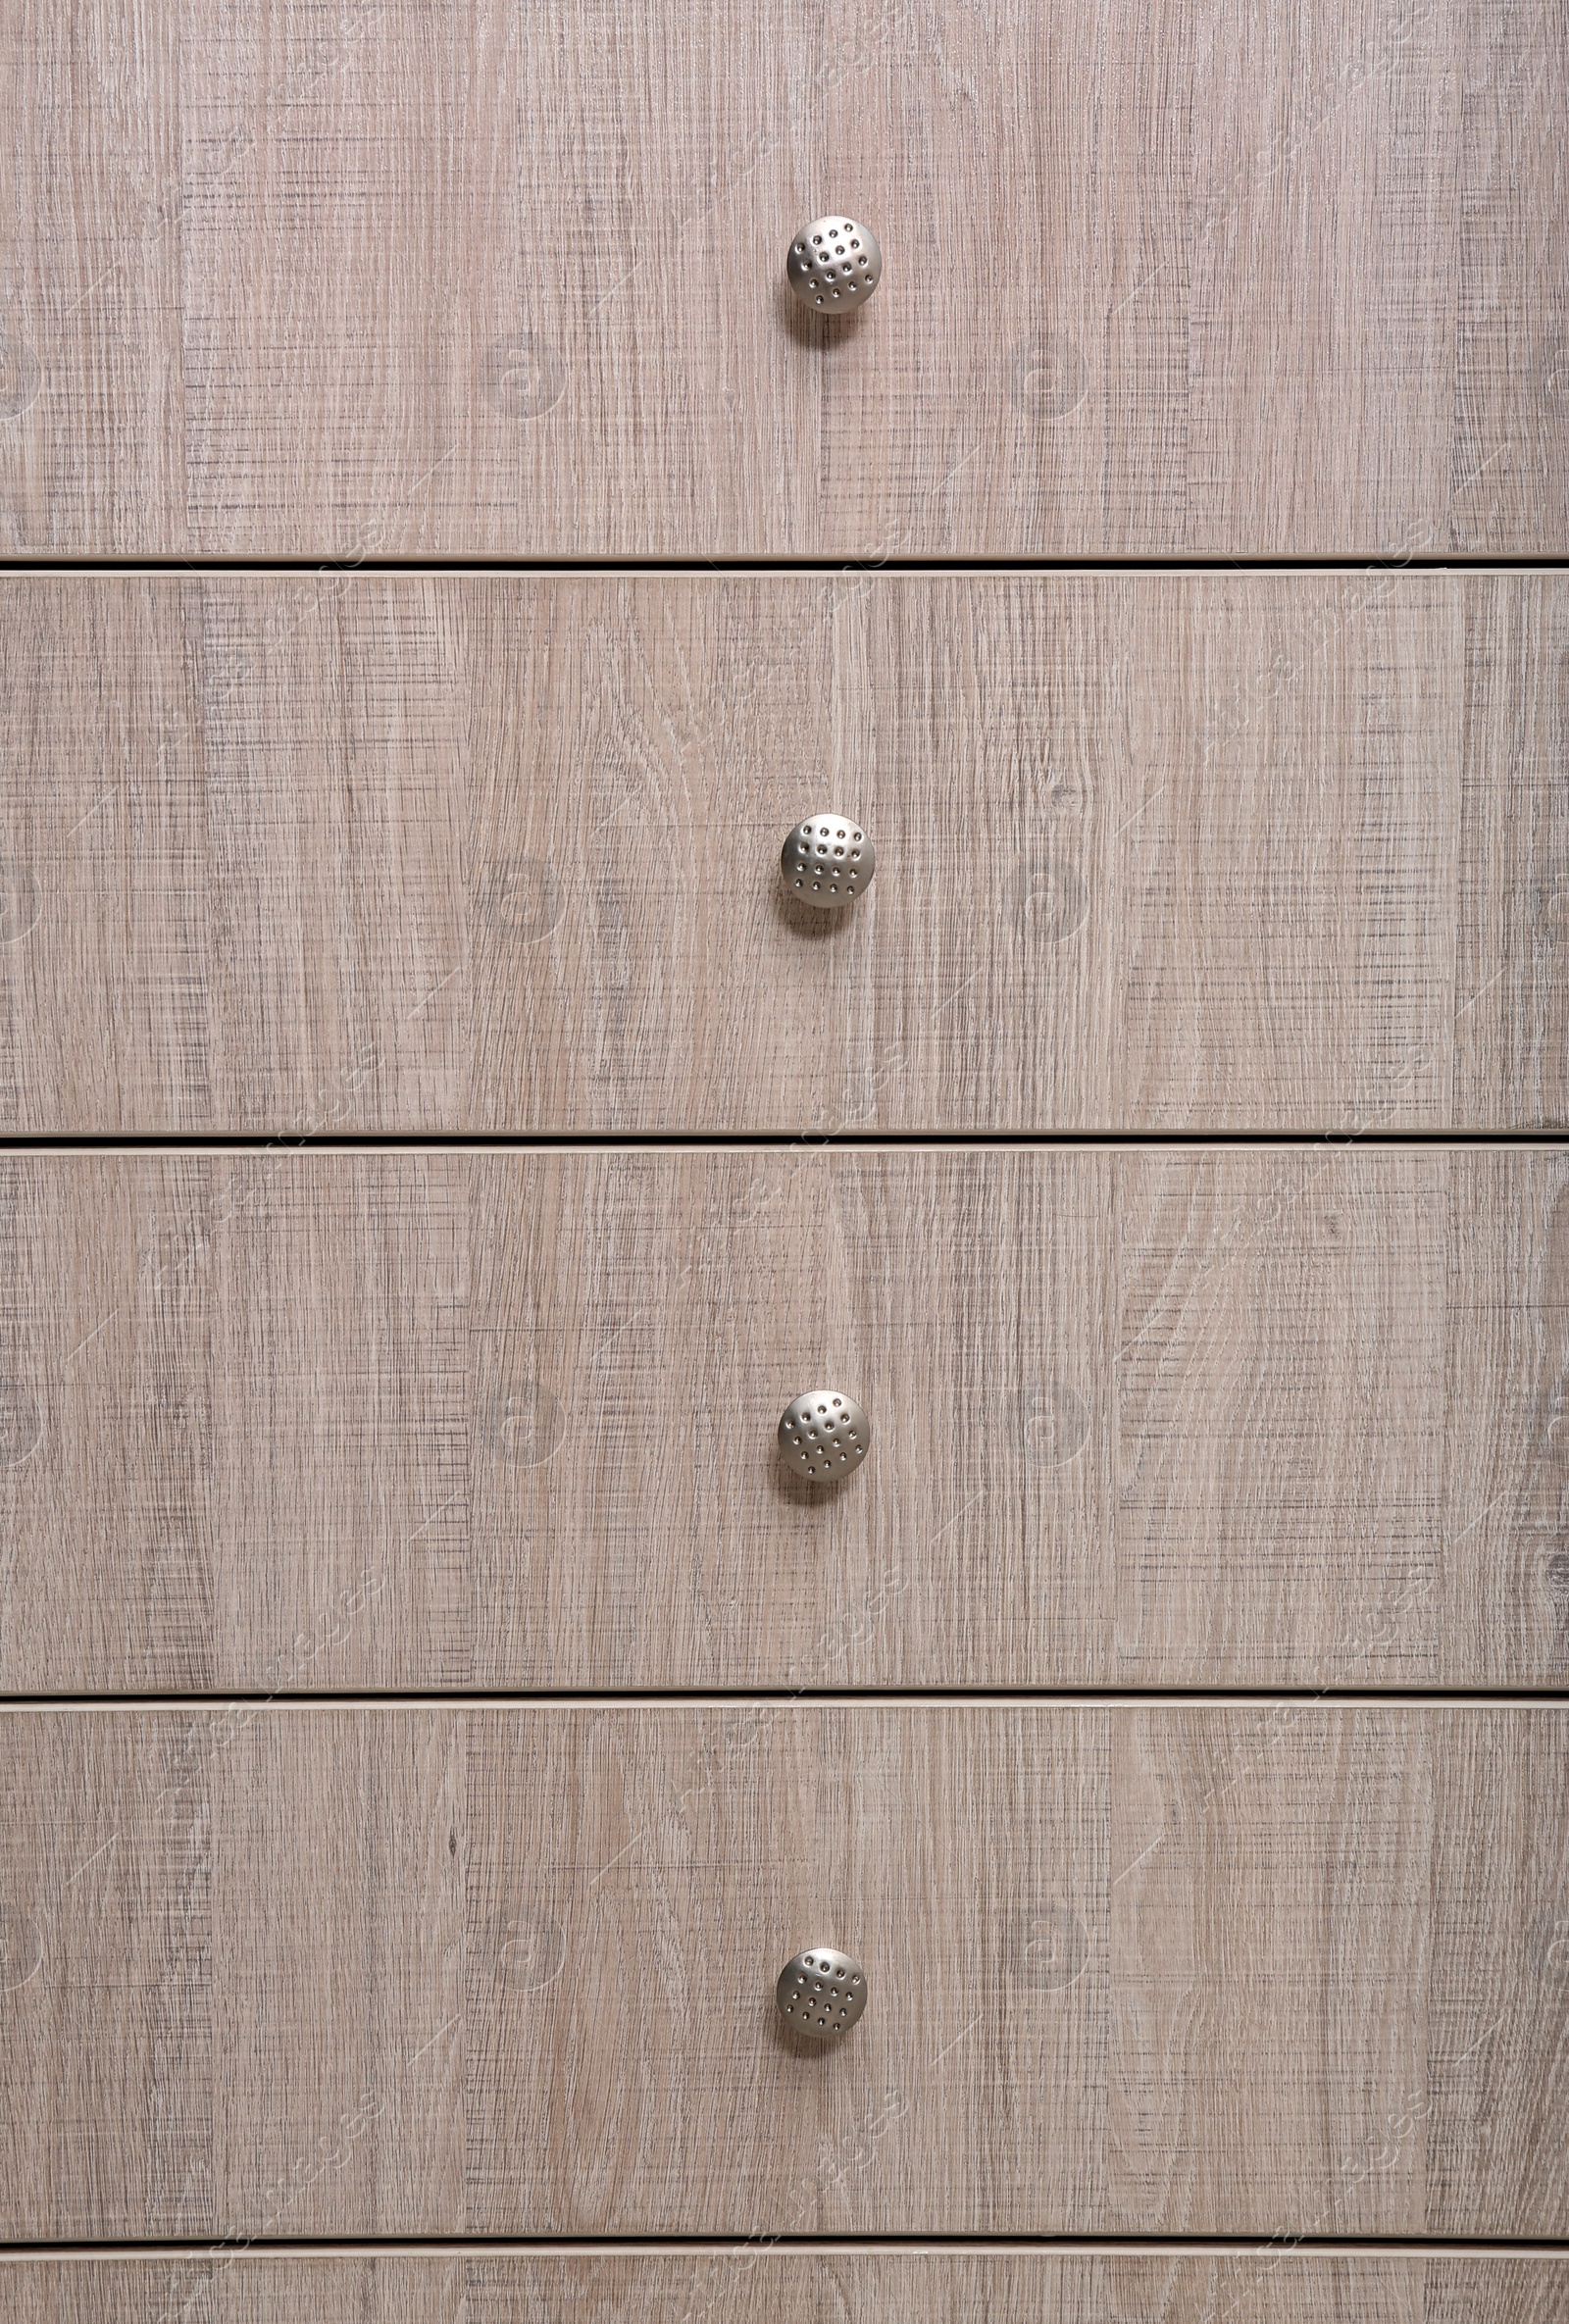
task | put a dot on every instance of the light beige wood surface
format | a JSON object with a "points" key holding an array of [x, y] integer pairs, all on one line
{"points": [[773, 2286], [414, 279], [1267, 1969], [305, 1421], [1276, 851]]}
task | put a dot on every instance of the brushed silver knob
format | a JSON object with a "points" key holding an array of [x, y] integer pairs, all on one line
{"points": [[833, 265], [821, 1992], [824, 1435], [828, 861]]}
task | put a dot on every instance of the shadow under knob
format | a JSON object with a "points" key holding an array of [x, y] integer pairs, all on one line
{"points": [[827, 860], [824, 1435], [821, 1992]]}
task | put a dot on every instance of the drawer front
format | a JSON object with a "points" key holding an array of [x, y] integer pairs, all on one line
{"points": [[786, 2287], [426, 281], [1260, 1970], [303, 1421], [1154, 853]]}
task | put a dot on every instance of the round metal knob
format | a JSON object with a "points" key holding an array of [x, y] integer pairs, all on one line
{"points": [[827, 860], [833, 265], [821, 1992], [824, 1435]]}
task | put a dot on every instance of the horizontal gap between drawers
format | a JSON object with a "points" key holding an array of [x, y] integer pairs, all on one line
{"points": [[766, 1142], [1277, 2247], [935, 1697], [1370, 560]]}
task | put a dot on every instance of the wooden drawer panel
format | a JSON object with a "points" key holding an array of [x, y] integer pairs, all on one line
{"points": [[286, 281], [313, 1421], [787, 2287], [1281, 851], [1289, 1969]]}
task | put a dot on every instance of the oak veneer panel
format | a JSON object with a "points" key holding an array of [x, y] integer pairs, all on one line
{"points": [[787, 2287], [304, 1420], [438, 279], [1286, 1969], [1279, 851]]}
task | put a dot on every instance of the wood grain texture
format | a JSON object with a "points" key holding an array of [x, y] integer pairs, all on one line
{"points": [[1280, 851], [433, 279], [305, 1421], [786, 2287], [1278, 1969]]}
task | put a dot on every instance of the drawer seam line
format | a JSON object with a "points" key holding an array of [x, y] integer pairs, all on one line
{"points": [[1279, 2242], [935, 1695], [768, 1142], [763, 567]]}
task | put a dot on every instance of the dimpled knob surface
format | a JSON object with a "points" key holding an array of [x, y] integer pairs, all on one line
{"points": [[827, 860], [833, 265], [824, 1435], [821, 1992]]}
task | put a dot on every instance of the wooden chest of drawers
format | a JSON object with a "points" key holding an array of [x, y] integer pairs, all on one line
{"points": [[443, 565]]}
